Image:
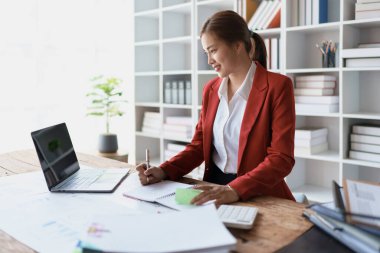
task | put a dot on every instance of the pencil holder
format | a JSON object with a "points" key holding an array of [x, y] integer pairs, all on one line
{"points": [[325, 61]]}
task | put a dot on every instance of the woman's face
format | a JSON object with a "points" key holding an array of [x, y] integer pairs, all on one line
{"points": [[221, 56]]}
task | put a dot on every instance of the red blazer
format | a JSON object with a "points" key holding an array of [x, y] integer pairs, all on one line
{"points": [[266, 141]]}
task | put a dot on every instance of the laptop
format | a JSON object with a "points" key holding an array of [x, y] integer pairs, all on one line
{"points": [[61, 168]]}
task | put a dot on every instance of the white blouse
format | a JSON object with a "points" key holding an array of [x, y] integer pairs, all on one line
{"points": [[227, 124]]}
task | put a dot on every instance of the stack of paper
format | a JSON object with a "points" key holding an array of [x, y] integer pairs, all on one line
{"points": [[178, 127], [365, 143], [367, 9], [152, 123], [196, 230], [310, 141], [315, 94]]}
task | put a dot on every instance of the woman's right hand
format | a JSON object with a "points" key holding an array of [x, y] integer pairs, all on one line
{"points": [[150, 176]]}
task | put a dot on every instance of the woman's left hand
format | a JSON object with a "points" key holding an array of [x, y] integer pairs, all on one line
{"points": [[222, 194]]}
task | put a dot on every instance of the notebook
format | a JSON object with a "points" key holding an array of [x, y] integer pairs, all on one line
{"points": [[61, 167], [162, 193]]}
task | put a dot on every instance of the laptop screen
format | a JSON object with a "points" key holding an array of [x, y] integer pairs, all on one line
{"points": [[56, 153]]}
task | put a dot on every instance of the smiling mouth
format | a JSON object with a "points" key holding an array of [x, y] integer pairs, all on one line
{"points": [[216, 68]]}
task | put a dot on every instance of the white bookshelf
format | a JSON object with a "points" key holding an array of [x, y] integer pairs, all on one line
{"points": [[357, 89], [167, 48], [164, 52]]}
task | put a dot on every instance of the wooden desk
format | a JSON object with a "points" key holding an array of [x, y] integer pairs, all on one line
{"points": [[278, 223]]}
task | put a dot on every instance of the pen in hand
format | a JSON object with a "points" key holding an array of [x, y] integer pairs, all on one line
{"points": [[147, 162]]}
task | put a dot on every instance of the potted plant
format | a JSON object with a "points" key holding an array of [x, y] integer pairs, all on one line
{"points": [[105, 102]]}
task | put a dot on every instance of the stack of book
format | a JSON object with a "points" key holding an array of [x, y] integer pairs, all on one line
{"points": [[309, 12], [365, 143], [308, 141], [367, 9], [365, 55], [178, 127], [353, 219], [152, 123], [173, 149], [267, 15], [315, 94]]}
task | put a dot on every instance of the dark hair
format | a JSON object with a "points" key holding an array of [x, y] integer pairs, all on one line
{"points": [[231, 27]]}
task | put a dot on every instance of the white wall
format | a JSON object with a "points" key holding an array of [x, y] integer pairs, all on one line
{"points": [[49, 49]]}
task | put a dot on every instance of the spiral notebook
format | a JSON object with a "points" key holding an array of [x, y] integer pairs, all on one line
{"points": [[162, 193]]}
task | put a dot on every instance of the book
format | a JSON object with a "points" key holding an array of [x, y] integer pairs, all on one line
{"points": [[313, 92], [310, 142], [311, 150], [191, 230], [178, 128], [316, 108], [301, 12], [371, 157], [366, 130], [179, 120], [156, 115], [365, 147], [310, 132], [368, 139], [367, 14], [274, 53], [167, 93], [361, 52], [367, 6], [175, 92], [323, 11], [363, 62], [162, 193], [320, 78], [317, 99], [308, 9], [276, 21], [181, 92], [369, 45], [315, 84], [151, 130], [367, 1], [294, 13], [188, 95]]}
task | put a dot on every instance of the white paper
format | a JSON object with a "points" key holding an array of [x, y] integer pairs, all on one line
{"points": [[52, 222], [155, 191], [189, 230]]}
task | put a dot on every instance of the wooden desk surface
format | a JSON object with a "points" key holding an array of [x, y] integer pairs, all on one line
{"points": [[278, 223]]}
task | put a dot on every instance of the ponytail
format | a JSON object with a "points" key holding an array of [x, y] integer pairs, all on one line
{"points": [[260, 52]]}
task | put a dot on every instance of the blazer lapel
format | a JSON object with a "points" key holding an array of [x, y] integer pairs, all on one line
{"points": [[213, 103], [255, 101]]}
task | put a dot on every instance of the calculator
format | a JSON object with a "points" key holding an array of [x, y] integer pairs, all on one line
{"points": [[235, 216]]}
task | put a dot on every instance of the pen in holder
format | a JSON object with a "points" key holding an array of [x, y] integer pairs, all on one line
{"points": [[328, 50]]}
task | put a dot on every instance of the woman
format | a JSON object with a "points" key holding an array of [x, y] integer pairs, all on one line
{"points": [[245, 132]]}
